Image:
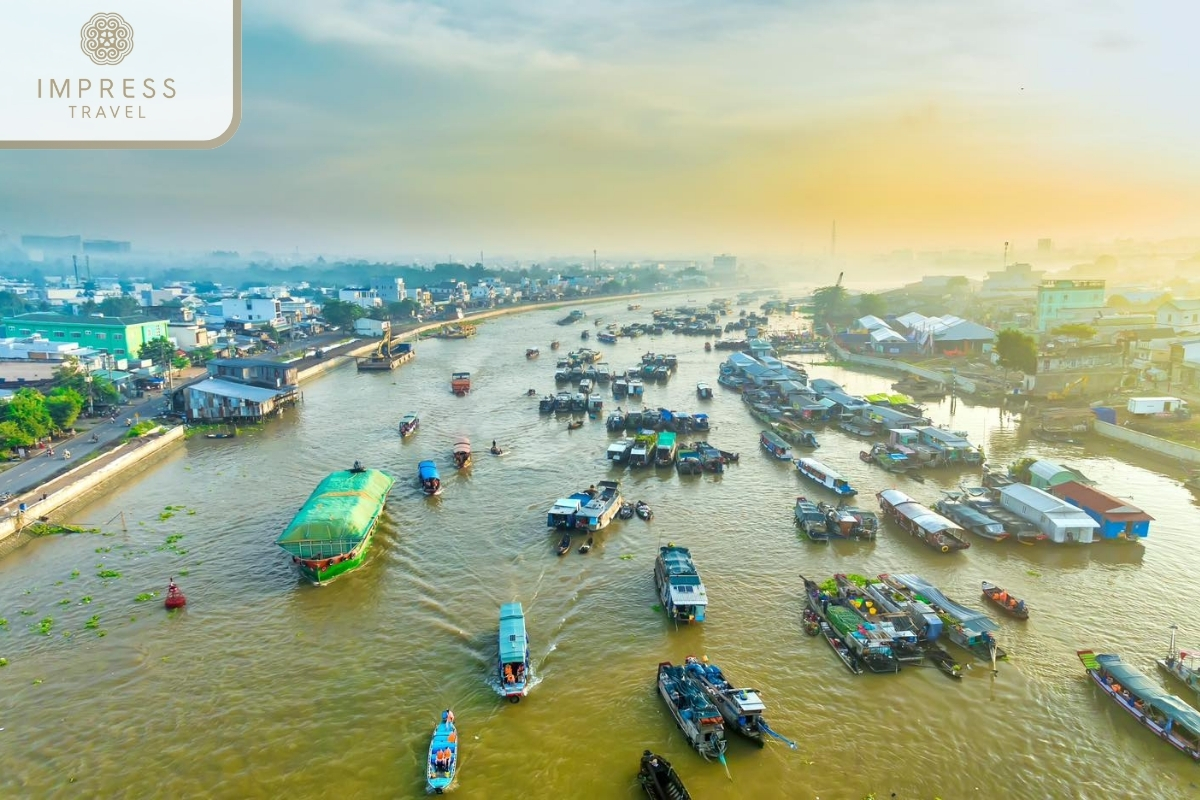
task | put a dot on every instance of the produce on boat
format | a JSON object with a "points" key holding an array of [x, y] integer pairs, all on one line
{"points": [[1006, 602]]}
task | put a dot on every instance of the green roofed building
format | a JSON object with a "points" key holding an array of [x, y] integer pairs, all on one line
{"points": [[332, 531], [120, 337]]}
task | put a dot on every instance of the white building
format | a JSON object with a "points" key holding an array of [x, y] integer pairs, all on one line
{"points": [[365, 326], [189, 335], [363, 296], [258, 310], [158, 297], [1181, 315], [1060, 521], [390, 290], [483, 294]]}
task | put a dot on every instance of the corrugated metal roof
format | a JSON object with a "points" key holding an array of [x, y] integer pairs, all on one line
{"points": [[1100, 502], [1045, 469], [240, 391], [1047, 504]]}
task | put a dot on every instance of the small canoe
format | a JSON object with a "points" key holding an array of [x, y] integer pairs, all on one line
{"points": [[586, 547], [565, 544], [442, 766], [574, 424], [643, 511], [1005, 602], [944, 662], [660, 780]]}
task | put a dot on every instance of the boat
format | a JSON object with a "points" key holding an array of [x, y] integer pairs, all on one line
{"points": [[427, 475], [1167, 716], [890, 460], [174, 598], [857, 427], [514, 668], [230, 434], [696, 716], [1181, 665], [626, 511], [615, 421], [564, 544], [554, 345], [642, 454], [845, 522], [574, 424], [462, 452], [741, 708], [700, 422], [774, 444], [688, 461], [585, 335], [636, 387], [802, 437], [532, 352], [442, 767], [680, 589], [565, 511], [620, 387], [930, 527], [601, 507], [460, 383], [331, 533], [618, 451], [643, 511], [972, 519], [606, 337], [1005, 602], [585, 386], [822, 475], [870, 645], [704, 391], [586, 547], [944, 662], [634, 306], [810, 519], [665, 449], [409, 424], [708, 347], [659, 779]]}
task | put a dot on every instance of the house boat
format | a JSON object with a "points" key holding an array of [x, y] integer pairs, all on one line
{"points": [[930, 527], [822, 475], [679, 587]]}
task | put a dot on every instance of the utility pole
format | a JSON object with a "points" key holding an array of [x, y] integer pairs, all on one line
{"points": [[1005, 264], [75, 264]]}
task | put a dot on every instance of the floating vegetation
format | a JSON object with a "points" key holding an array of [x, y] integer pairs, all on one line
{"points": [[174, 537], [66, 601], [165, 515], [74, 573], [52, 528], [26, 612], [104, 549], [87, 598], [102, 633], [93, 622], [45, 625], [656, 608], [66, 634], [191, 512], [3, 622], [144, 596], [3, 662], [627, 557], [1033, 573], [183, 573], [37, 681], [108, 573]]}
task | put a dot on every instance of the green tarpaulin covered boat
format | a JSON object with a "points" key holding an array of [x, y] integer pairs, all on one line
{"points": [[332, 532]]}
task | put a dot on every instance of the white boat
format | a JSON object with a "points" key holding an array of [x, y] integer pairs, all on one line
{"points": [[618, 451], [822, 475]]}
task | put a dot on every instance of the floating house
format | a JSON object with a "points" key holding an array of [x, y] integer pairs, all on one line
{"points": [[1061, 522], [952, 446], [889, 418], [1117, 518], [1046, 475]]}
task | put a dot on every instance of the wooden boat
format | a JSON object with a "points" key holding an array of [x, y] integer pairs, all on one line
{"points": [[822, 475], [839, 647], [462, 452], [332, 532], [774, 444], [615, 421], [680, 589], [626, 511], [696, 716], [944, 662], [857, 427], [442, 767], [427, 475], [741, 708], [586, 547], [564, 544], [174, 598], [643, 511], [515, 667], [409, 424], [972, 519], [810, 519], [1167, 716], [659, 779], [554, 345], [1181, 665], [856, 646], [222, 435], [574, 424], [532, 353], [460, 383], [585, 335], [1001, 599], [812, 623], [704, 391], [665, 449], [708, 347], [930, 527]]}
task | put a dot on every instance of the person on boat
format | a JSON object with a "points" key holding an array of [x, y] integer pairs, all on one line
{"points": [[521, 673], [1021, 605], [591, 490], [448, 716]]}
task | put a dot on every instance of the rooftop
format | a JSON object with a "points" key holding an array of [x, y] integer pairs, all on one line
{"points": [[66, 319], [239, 391], [1100, 502]]}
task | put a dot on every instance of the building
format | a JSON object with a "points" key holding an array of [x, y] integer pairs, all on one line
{"points": [[449, 292], [107, 247], [1117, 519], [1059, 521], [951, 447], [190, 334], [365, 326], [362, 296], [1046, 475], [1063, 301], [1014, 279], [1067, 356], [963, 338], [159, 297], [1182, 316], [240, 389], [390, 290], [40, 247], [121, 337], [724, 269], [254, 310]]}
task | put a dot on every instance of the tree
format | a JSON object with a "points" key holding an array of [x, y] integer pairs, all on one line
{"points": [[63, 405], [402, 310], [120, 307], [340, 313], [12, 304], [1017, 351], [1075, 330], [180, 362], [202, 355], [872, 305], [959, 283], [830, 305], [27, 409], [160, 351], [71, 376], [12, 435]]}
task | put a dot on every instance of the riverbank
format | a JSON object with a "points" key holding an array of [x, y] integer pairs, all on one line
{"points": [[72, 484]]}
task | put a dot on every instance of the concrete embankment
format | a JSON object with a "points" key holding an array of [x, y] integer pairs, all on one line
{"points": [[1155, 444], [963, 384], [86, 477]]}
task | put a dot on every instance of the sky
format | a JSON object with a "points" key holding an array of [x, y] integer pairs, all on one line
{"points": [[535, 127]]}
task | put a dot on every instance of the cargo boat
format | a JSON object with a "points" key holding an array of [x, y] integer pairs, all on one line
{"points": [[930, 527], [683, 595], [331, 533], [697, 718]]}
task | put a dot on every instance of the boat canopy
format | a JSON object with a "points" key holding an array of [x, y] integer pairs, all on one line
{"points": [[513, 642], [427, 470], [812, 465], [462, 445], [338, 515], [666, 440], [408, 418], [1130, 677], [967, 617]]}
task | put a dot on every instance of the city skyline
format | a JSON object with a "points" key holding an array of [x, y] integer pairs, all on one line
{"points": [[531, 129]]}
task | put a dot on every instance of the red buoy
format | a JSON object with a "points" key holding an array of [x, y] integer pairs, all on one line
{"points": [[175, 598]]}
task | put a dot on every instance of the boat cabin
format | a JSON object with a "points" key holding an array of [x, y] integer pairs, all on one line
{"points": [[460, 383], [618, 451], [819, 473], [565, 510], [1061, 522], [1117, 518], [514, 662]]}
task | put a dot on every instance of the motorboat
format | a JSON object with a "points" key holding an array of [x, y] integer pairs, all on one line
{"points": [[462, 452], [694, 713], [409, 424], [680, 589], [431, 482], [442, 767], [515, 667]]}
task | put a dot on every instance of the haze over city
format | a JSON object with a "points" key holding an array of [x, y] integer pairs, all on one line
{"points": [[533, 129]]}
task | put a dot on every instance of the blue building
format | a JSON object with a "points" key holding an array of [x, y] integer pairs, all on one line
{"points": [[1117, 518]]}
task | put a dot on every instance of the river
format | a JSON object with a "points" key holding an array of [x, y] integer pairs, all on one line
{"points": [[265, 686]]}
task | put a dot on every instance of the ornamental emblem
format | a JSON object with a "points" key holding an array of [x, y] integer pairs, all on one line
{"points": [[106, 39]]}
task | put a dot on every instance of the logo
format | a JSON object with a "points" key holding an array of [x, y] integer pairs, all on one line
{"points": [[106, 39]]}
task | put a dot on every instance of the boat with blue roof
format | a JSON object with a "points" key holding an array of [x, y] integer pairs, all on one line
{"points": [[515, 668], [698, 719], [683, 595], [442, 767], [428, 477], [1165, 715], [741, 708]]}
